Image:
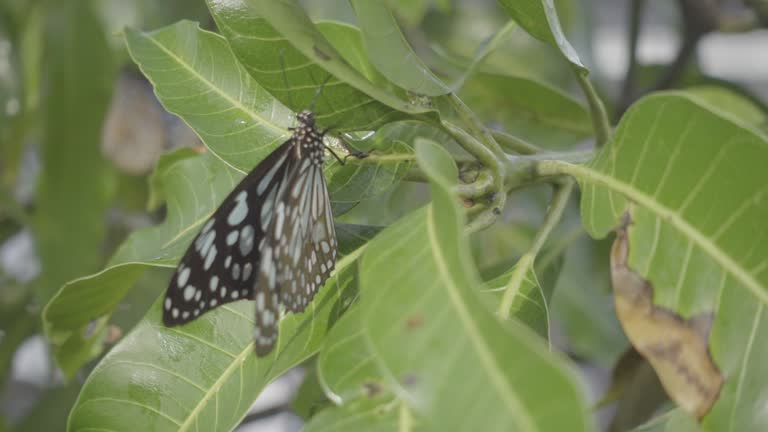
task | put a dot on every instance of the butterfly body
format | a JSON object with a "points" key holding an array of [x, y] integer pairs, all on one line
{"points": [[272, 240]]}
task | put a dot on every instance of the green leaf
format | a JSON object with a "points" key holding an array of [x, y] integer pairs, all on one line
{"points": [[529, 305], [693, 183], [196, 76], [429, 320], [377, 414], [673, 421], [730, 104], [284, 51], [528, 108], [390, 52], [204, 375], [539, 19], [73, 187]]}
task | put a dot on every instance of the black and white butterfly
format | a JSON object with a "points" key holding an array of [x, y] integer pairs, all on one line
{"points": [[272, 240]]}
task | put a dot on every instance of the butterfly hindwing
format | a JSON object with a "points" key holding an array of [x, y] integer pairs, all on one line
{"points": [[220, 264], [307, 252]]}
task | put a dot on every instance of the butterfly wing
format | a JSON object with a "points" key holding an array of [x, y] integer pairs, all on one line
{"points": [[300, 249], [219, 265], [309, 254]]}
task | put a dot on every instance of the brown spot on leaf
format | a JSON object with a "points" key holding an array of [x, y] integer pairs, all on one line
{"points": [[114, 333], [676, 348], [372, 388], [414, 321]]}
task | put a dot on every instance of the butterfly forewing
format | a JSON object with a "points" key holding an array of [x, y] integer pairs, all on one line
{"points": [[220, 264]]}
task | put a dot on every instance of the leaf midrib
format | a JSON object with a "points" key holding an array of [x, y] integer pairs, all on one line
{"points": [[485, 353], [667, 214], [254, 115]]}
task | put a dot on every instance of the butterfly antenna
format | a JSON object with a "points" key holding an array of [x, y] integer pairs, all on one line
{"points": [[285, 80], [318, 91]]}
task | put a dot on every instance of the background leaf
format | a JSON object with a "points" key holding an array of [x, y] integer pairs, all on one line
{"points": [[532, 110], [390, 52], [74, 182]]}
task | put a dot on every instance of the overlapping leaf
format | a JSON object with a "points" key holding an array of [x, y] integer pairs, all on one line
{"points": [[427, 320], [205, 375], [284, 51], [390, 52], [539, 18], [693, 184]]}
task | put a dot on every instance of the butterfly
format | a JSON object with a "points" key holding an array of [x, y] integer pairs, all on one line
{"points": [[272, 240]]}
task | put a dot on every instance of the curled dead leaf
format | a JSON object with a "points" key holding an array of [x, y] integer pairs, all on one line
{"points": [[676, 348]]}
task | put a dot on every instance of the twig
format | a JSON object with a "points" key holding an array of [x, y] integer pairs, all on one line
{"points": [[600, 123], [628, 87], [555, 213], [515, 144]]}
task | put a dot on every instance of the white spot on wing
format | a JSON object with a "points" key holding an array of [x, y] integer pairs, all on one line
{"points": [[271, 173], [189, 292], [246, 240], [240, 211], [232, 237], [183, 277], [209, 258]]}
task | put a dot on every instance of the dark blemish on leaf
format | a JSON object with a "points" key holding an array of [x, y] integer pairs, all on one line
{"points": [[320, 53], [468, 202], [372, 389], [496, 211], [410, 380], [414, 321]]}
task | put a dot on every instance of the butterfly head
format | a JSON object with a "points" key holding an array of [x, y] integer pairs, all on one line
{"points": [[306, 118]]}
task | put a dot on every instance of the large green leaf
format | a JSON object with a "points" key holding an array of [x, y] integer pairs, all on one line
{"points": [[389, 51], [74, 186], [196, 76], [428, 320], [205, 375], [284, 51], [539, 18], [694, 184]]}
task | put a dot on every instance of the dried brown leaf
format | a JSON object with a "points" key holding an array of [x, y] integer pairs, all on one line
{"points": [[676, 348]]}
